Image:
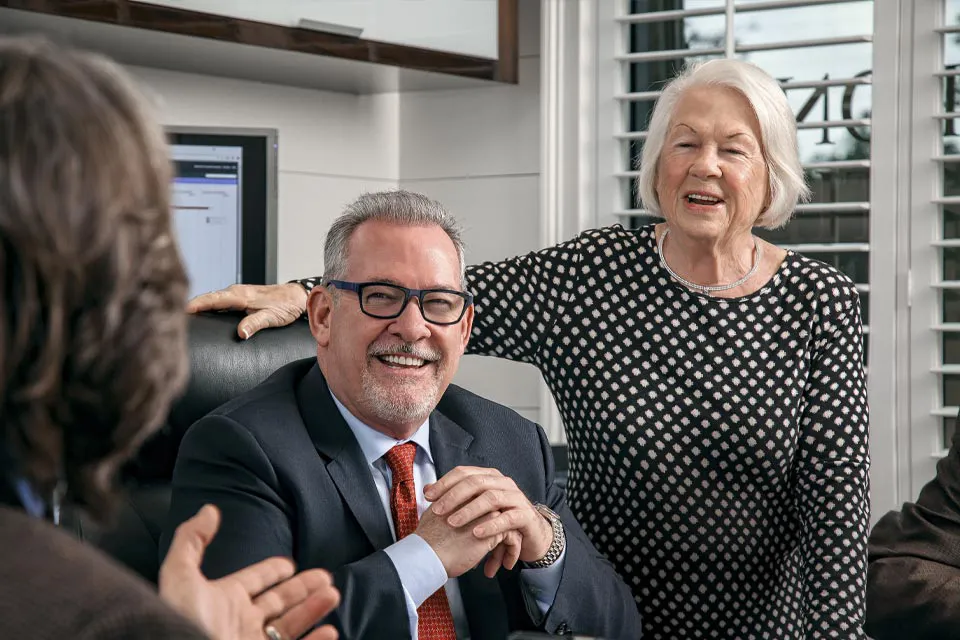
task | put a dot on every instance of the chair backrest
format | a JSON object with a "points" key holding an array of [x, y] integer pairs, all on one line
{"points": [[221, 367]]}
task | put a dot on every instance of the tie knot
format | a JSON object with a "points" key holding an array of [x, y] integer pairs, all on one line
{"points": [[400, 459]]}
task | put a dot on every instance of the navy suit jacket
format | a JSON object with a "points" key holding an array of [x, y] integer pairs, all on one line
{"points": [[290, 480]]}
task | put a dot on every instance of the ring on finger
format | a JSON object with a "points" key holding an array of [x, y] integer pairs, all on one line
{"points": [[272, 633]]}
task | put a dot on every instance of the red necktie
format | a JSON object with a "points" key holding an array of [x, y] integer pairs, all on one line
{"points": [[434, 620]]}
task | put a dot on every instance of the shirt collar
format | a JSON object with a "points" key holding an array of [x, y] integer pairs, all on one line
{"points": [[29, 498], [375, 444]]}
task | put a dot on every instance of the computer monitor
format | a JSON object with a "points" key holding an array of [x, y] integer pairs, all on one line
{"points": [[224, 205]]}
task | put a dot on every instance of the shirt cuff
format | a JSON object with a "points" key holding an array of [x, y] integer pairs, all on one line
{"points": [[542, 584], [420, 570]]}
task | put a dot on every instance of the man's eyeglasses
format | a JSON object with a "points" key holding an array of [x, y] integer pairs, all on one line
{"points": [[386, 301]]}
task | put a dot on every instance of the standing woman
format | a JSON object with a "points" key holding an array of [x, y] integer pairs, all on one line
{"points": [[711, 384]]}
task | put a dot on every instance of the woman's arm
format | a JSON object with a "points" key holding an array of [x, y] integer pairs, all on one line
{"points": [[830, 478], [518, 300]]}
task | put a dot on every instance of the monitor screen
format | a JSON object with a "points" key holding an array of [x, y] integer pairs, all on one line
{"points": [[222, 210], [206, 209]]}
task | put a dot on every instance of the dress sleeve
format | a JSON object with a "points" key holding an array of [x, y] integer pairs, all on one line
{"points": [[518, 300], [830, 479], [308, 283]]}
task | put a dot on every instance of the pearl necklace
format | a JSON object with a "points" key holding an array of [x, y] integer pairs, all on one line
{"points": [[705, 288]]}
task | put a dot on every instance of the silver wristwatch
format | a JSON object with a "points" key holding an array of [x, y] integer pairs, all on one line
{"points": [[559, 539]]}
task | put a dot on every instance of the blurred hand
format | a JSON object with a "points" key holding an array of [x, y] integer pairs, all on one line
{"points": [[269, 305], [238, 606], [471, 495]]}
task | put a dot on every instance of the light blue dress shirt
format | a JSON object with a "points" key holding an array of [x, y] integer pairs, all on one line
{"points": [[32, 503], [420, 570]]}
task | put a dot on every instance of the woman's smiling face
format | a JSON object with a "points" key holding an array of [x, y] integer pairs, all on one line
{"points": [[712, 179]]}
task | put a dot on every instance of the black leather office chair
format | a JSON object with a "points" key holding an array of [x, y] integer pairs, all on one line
{"points": [[221, 366]]}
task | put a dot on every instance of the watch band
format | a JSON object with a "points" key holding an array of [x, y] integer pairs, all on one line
{"points": [[559, 539]]}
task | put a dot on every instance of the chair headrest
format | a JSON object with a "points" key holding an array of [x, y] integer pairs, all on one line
{"points": [[222, 366]]}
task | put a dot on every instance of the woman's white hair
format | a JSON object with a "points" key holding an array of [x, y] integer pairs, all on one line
{"points": [[778, 131]]}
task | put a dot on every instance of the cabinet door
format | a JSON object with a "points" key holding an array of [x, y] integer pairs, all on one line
{"points": [[353, 14], [467, 27]]}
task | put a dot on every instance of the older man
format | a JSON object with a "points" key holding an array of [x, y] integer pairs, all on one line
{"points": [[335, 461]]}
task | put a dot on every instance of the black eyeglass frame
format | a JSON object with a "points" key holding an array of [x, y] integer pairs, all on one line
{"points": [[358, 287]]}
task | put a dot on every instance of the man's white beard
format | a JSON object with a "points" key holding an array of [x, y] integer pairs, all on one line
{"points": [[399, 408]]}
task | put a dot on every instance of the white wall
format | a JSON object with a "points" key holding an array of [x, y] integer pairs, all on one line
{"points": [[332, 148], [478, 152]]}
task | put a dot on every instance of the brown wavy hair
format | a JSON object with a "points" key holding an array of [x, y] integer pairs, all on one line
{"points": [[92, 290]]}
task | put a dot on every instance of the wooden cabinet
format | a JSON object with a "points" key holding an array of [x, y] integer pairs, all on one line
{"points": [[351, 16], [466, 27], [470, 38]]}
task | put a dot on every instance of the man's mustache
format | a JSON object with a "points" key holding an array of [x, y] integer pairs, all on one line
{"points": [[405, 348]]}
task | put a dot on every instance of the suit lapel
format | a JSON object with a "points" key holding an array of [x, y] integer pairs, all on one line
{"points": [[483, 601], [450, 445], [345, 462]]}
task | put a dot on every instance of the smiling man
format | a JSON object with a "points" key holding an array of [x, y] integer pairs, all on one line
{"points": [[435, 509]]}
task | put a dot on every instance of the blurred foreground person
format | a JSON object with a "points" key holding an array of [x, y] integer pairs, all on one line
{"points": [[92, 352]]}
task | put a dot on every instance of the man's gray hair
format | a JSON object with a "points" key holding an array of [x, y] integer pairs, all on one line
{"points": [[396, 207], [778, 129]]}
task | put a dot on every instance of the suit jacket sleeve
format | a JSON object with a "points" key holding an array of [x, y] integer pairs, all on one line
{"points": [[141, 623], [53, 586], [220, 462], [591, 599], [913, 583]]}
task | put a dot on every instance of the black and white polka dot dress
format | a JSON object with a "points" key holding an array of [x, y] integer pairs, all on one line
{"points": [[718, 448]]}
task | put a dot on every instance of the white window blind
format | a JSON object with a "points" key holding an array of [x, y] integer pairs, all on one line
{"points": [[935, 232], [947, 201]]}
